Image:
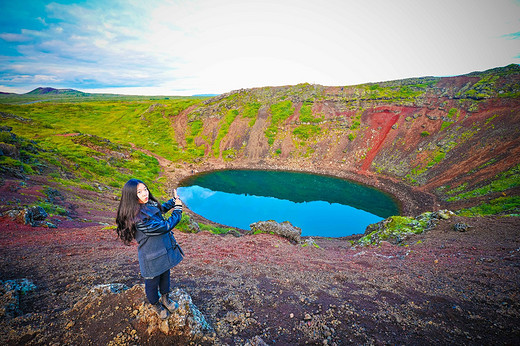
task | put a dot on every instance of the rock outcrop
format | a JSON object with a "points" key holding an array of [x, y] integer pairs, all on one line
{"points": [[187, 321], [34, 216], [10, 293], [117, 301], [284, 229]]}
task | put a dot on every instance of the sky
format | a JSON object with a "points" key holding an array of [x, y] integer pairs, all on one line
{"points": [[188, 47]]}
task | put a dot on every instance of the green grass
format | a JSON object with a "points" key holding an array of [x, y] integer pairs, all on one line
{"points": [[145, 123], [509, 205], [304, 132], [502, 182], [250, 111], [184, 226], [76, 160], [52, 209], [279, 113], [223, 131], [396, 93], [306, 115], [395, 228]]}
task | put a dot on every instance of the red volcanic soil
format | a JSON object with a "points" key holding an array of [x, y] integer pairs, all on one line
{"points": [[440, 287]]}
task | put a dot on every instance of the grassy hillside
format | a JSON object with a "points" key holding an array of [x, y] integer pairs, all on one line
{"points": [[90, 141], [455, 137]]}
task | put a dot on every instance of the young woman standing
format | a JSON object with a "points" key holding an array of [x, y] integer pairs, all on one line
{"points": [[139, 217]]}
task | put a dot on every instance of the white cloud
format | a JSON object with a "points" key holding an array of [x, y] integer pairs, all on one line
{"points": [[14, 37], [205, 46]]}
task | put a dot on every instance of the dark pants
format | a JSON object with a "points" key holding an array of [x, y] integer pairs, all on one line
{"points": [[160, 283]]}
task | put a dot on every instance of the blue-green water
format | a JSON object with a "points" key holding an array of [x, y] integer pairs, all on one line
{"points": [[319, 205]]}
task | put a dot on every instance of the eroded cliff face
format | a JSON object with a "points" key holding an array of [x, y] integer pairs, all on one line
{"points": [[440, 135]]}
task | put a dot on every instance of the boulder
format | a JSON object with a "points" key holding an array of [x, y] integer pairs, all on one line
{"points": [[193, 226], [34, 216], [284, 229], [187, 321], [116, 301], [461, 227], [310, 242], [10, 293]]}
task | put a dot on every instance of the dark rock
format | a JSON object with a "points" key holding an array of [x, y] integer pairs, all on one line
{"points": [[34, 216], [234, 233], [193, 226], [461, 227], [256, 341], [10, 293], [9, 150]]}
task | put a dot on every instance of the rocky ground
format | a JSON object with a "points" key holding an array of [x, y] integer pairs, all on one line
{"points": [[440, 287]]}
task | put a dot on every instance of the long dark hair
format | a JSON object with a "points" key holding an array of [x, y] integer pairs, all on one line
{"points": [[128, 210]]}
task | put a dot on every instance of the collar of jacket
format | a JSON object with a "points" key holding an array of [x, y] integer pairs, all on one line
{"points": [[148, 210]]}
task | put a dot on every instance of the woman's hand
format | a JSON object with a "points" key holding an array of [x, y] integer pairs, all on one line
{"points": [[176, 197]]}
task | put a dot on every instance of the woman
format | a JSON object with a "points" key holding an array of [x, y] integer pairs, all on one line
{"points": [[139, 217]]}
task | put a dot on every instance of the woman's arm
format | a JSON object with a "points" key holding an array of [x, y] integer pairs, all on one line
{"points": [[172, 203], [168, 205], [157, 225]]}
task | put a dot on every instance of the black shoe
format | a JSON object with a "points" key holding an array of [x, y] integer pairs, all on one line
{"points": [[160, 310], [168, 303]]}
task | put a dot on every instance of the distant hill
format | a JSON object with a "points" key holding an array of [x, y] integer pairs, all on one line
{"points": [[53, 91]]}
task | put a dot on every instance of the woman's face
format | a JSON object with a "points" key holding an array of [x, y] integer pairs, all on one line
{"points": [[142, 193]]}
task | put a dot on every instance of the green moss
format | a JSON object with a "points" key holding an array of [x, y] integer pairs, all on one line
{"points": [[355, 125], [397, 228], [250, 111], [229, 154], [304, 132], [52, 209], [306, 115], [215, 230], [396, 93], [501, 182], [457, 189], [509, 205], [224, 129], [490, 119], [279, 113], [425, 134], [446, 124]]}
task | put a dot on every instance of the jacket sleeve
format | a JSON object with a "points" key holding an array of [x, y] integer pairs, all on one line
{"points": [[157, 225], [168, 205]]}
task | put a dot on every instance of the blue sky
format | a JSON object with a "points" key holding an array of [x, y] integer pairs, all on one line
{"points": [[185, 47]]}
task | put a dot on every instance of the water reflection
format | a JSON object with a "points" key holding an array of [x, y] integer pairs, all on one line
{"points": [[319, 205]]}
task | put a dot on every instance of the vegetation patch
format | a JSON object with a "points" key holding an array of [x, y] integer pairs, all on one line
{"points": [[306, 115], [396, 93], [76, 160], [224, 129], [509, 205], [396, 229], [188, 225], [279, 113], [502, 182], [250, 111], [304, 132]]}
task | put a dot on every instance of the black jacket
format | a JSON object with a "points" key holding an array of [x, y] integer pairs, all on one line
{"points": [[158, 250]]}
